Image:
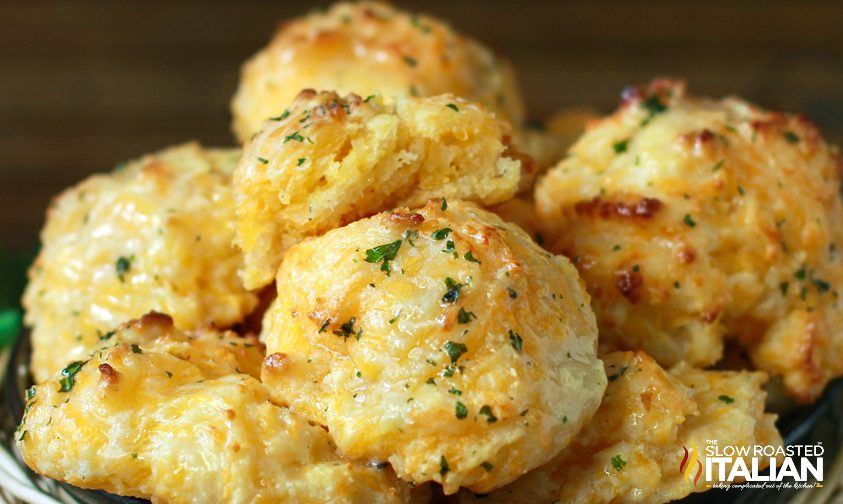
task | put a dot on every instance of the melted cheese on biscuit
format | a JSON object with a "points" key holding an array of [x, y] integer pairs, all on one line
{"points": [[441, 340]]}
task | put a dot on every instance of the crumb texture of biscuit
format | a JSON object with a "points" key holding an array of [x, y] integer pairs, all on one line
{"points": [[328, 160], [695, 220], [632, 450], [155, 234], [179, 417], [370, 48], [442, 340]]}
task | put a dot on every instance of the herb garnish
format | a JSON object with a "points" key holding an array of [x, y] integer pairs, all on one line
{"points": [[726, 399], [452, 295], [791, 137], [347, 329], [654, 106], [441, 234], [297, 137], [470, 257], [454, 350], [464, 317], [620, 147], [281, 117], [461, 410], [515, 340], [618, 462], [68, 379], [385, 253], [123, 265], [487, 410]]}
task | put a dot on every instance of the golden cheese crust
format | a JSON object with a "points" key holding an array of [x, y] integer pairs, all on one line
{"points": [[176, 417], [327, 161], [632, 449], [692, 220], [155, 234], [442, 340], [370, 48]]}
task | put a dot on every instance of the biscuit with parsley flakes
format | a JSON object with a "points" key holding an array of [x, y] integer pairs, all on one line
{"points": [[633, 448], [329, 160], [693, 220], [161, 414], [441, 340], [155, 234], [370, 48]]}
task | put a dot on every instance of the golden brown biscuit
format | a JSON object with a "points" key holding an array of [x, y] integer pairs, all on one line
{"points": [[327, 161], [370, 48], [442, 340], [633, 448], [177, 417], [692, 220], [156, 234]]}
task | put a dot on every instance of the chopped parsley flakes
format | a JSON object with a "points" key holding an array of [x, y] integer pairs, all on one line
{"points": [[385, 253], [68, 376], [454, 350], [297, 137], [618, 462], [136, 349], [726, 399], [441, 234], [347, 329], [487, 410], [461, 410], [791, 137], [281, 117], [464, 317], [654, 106], [470, 257], [515, 340], [689, 221], [123, 265], [443, 466], [452, 295], [455, 109], [620, 147]]}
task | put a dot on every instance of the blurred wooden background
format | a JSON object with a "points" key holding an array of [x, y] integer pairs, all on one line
{"points": [[85, 84]]}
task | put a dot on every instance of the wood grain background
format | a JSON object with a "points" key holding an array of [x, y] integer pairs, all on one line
{"points": [[85, 84]]}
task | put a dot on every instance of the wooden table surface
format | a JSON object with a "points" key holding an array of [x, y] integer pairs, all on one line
{"points": [[85, 84]]}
